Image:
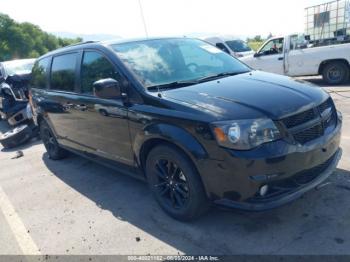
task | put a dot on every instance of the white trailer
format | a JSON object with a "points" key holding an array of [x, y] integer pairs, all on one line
{"points": [[328, 21]]}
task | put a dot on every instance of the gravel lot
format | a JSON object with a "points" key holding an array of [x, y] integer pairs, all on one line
{"points": [[75, 206]]}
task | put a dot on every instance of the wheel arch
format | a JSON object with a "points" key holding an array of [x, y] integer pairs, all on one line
{"points": [[166, 133], [154, 142], [170, 135], [326, 62], [40, 117]]}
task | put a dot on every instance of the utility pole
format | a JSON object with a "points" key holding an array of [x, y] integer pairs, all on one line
{"points": [[143, 19]]}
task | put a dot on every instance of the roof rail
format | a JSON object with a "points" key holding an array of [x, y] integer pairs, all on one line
{"points": [[81, 43]]}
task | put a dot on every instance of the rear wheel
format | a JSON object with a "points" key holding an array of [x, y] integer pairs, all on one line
{"points": [[54, 151], [175, 183], [335, 73]]}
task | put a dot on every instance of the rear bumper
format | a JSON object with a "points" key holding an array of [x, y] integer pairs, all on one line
{"points": [[285, 195]]}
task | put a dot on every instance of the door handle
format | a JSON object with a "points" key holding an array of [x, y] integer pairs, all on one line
{"points": [[280, 58]]}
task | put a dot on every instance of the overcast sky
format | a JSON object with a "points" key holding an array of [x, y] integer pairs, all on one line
{"points": [[163, 17]]}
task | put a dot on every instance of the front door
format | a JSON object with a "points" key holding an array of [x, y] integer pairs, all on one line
{"points": [[270, 57], [102, 124]]}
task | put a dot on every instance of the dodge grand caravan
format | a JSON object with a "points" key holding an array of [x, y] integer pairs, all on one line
{"points": [[197, 124]]}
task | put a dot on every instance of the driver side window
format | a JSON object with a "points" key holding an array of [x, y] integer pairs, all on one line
{"points": [[274, 46], [95, 67]]}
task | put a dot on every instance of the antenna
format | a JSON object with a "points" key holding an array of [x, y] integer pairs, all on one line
{"points": [[143, 19]]}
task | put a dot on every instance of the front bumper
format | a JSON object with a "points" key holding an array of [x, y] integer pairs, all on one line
{"points": [[234, 178], [283, 195]]}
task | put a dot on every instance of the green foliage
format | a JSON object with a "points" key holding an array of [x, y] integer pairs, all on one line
{"points": [[25, 40], [256, 42], [255, 45]]}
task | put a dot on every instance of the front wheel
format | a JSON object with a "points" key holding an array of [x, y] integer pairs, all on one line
{"points": [[175, 183], [335, 73]]}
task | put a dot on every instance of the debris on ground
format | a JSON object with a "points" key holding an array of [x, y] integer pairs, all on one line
{"points": [[19, 154]]}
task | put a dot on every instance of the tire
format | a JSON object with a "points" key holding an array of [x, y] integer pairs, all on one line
{"points": [[335, 73], [54, 151], [16, 136], [175, 183]]}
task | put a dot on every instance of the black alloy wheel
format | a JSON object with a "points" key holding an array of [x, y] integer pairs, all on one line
{"points": [[175, 183], [172, 185]]}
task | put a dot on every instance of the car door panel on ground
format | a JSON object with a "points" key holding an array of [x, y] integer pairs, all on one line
{"points": [[95, 125]]}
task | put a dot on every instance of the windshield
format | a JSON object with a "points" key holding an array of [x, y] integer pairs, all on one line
{"points": [[18, 67], [162, 61], [238, 46]]}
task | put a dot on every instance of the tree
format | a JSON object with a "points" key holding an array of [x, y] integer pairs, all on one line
{"points": [[26, 40], [257, 38]]}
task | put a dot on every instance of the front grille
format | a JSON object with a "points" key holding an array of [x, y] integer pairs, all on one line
{"points": [[309, 134], [300, 118], [317, 128], [305, 176]]}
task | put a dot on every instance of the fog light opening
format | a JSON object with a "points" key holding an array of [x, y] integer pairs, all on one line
{"points": [[263, 190]]}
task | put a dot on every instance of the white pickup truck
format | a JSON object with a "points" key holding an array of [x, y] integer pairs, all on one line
{"points": [[294, 56]]}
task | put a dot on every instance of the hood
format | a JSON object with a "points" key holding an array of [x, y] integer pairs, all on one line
{"points": [[250, 95], [18, 78], [245, 54], [247, 58]]}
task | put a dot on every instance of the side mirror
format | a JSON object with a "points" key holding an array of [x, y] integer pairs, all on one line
{"points": [[256, 54], [107, 88]]}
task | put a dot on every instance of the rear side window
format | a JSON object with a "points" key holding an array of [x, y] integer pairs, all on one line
{"points": [[63, 72], [39, 73], [95, 67]]}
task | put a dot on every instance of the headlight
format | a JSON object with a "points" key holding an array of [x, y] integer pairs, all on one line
{"points": [[245, 134]]}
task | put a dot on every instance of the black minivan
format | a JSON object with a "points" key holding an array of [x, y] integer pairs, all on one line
{"points": [[198, 125]]}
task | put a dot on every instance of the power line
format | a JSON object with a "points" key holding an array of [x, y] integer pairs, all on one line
{"points": [[143, 19], [338, 93]]}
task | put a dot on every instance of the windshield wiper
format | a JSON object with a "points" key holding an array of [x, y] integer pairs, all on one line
{"points": [[171, 85], [220, 75], [178, 84]]}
